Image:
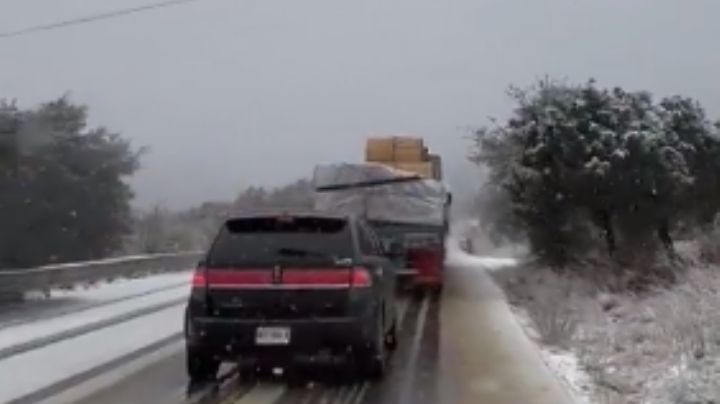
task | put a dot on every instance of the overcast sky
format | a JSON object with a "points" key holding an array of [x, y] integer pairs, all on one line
{"points": [[229, 93]]}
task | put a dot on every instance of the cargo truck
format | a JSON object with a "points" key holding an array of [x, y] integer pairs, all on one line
{"points": [[399, 191]]}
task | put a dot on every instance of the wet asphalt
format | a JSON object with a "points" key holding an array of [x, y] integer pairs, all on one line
{"points": [[463, 347]]}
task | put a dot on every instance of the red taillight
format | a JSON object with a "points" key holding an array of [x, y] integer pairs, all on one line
{"points": [[305, 278], [318, 277], [237, 278], [199, 280], [361, 278]]}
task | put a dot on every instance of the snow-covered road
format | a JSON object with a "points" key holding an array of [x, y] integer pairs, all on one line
{"points": [[477, 329], [84, 297], [38, 369], [43, 329], [132, 313]]}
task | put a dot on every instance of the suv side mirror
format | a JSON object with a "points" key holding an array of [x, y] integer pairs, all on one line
{"points": [[201, 263]]}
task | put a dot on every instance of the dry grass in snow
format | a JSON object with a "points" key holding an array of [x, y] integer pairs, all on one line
{"points": [[659, 347]]}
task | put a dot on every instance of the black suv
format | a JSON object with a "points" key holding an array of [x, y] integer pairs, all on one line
{"points": [[274, 289]]}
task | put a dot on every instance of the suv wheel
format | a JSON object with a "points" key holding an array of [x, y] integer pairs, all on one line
{"points": [[200, 366], [391, 340], [373, 360], [248, 372]]}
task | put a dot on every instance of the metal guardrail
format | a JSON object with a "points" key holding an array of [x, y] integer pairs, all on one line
{"points": [[14, 283]]}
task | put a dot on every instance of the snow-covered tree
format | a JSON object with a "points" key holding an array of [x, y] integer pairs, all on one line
{"points": [[63, 194], [579, 164]]}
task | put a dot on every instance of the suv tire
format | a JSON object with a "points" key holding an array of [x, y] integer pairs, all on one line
{"points": [[200, 366], [373, 359], [391, 338]]}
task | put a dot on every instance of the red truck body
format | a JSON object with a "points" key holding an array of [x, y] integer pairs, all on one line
{"points": [[408, 211], [428, 262]]}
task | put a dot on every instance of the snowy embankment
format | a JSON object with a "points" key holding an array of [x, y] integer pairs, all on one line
{"points": [[563, 362], [44, 367], [658, 346], [158, 302], [39, 306], [87, 319]]}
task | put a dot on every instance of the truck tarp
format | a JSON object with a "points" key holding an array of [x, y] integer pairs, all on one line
{"points": [[387, 197]]}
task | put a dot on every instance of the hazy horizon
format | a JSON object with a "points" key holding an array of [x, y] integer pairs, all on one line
{"points": [[228, 94]]}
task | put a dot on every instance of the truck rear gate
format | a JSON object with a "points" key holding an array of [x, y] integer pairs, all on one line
{"points": [[428, 263]]}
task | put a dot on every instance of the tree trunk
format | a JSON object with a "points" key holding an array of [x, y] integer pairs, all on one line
{"points": [[605, 222], [663, 232]]}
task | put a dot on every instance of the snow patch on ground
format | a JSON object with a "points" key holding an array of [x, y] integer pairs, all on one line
{"points": [[656, 347], [60, 302], [64, 310], [456, 256], [119, 288], [13, 335], [565, 364], [31, 371]]}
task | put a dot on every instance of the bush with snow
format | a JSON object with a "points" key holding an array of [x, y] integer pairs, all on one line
{"points": [[660, 346], [63, 190], [578, 167]]}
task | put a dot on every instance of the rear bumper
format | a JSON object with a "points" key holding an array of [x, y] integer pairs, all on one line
{"points": [[229, 338], [428, 281], [406, 272], [420, 278]]}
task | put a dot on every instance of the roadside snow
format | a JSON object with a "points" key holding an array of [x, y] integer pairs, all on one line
{"points": [[123, 287], [32, 371], [83, 297], [23, 333], [456, 256], [564, 364]]}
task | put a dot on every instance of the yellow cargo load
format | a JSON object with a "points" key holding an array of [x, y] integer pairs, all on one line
{"points": [[423, 168], [380, 150], [408, 155], [408, 142], [404, 153], [395, 149]]}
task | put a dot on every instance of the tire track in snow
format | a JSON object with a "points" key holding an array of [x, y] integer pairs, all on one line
{"points": [[85, 329], [82, 308]]}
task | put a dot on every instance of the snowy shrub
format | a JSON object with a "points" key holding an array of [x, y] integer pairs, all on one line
{"points": [[555, 322], [710, 243], [541, 294], [63, 194], [578, 166], [661, 346]]}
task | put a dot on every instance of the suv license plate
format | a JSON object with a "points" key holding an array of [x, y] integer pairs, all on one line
{"points": [[272, 336]]}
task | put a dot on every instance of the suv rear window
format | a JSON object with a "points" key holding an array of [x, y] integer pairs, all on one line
{"points": [[297, 241]]}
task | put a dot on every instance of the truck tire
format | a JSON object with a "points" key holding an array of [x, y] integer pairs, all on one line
{"points": [[436, 291], [200, 366]]}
